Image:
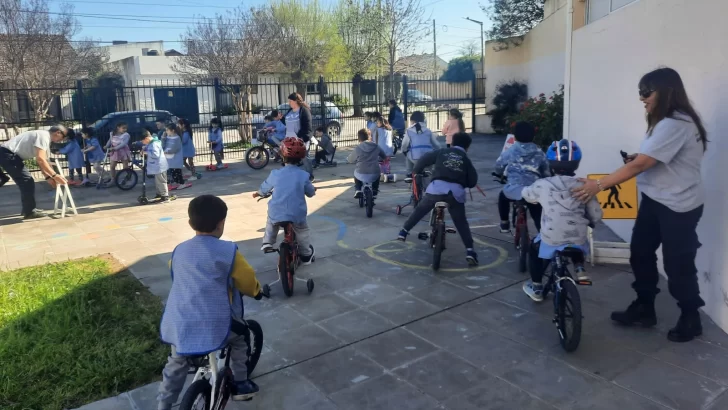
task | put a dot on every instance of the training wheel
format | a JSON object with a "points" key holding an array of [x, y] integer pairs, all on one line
{"points": [[398, 210], [266, 290], [309, 285], [143, 200]]}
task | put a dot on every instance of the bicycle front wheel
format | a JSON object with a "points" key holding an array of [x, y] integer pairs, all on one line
{"points": [[126, 179], [197, 396], [256, 345], [438, 245], [257, 157], [568, 315], [285, 268]]}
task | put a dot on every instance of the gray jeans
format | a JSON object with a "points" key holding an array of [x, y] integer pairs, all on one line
{"points": [[177, 368], [303, 236], [160, 181]]}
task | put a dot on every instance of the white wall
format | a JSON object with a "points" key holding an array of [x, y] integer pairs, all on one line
{"points": [[609, 57], [121, 51]]}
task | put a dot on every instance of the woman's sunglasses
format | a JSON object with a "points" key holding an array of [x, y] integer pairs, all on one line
{"points": [[646, 93]]}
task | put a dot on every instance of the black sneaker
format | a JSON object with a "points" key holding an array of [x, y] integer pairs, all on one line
{"points": [[688, 327], [505, 227], [641, 312], [472, 258], [307, 260], [357, 194], [34, 214], [402, 235], [245, 390]]}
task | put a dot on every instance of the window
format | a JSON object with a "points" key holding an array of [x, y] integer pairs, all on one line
{"points": [[601, 8], [312, 88]]}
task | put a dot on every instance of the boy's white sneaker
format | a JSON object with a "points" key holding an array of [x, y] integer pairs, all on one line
{"points": [[357, 194], [267, 247]]}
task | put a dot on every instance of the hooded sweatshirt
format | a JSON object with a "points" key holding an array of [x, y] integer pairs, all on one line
{"points": [[523, 163], [565, 219], [366, 156]]}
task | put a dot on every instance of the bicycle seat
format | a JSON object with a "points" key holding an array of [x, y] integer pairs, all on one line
{"points": [[441, 205], [570, 252], [283, 223]]}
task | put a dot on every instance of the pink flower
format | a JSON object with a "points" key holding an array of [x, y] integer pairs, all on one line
{"points": [[542, 95]]}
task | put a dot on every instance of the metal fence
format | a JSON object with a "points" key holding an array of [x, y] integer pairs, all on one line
{"points": [[140, 106]]}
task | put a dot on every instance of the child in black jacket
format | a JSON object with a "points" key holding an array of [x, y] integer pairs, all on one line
{"points": [[451, 174]]}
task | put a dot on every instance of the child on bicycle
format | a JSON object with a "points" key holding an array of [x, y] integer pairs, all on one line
{"points": [[366, 156], [565, 219], [524, 162], [276, 128], [325, 144], [383, 138], [204, 310], [290, 186], [418, 141], [451, 174]]}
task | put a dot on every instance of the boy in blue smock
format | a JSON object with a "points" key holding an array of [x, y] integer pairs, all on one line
{"points": [[204, 310], [289, 186], [94, 153], [565, 218], [74, 157], [214, 137], [524, 162]]}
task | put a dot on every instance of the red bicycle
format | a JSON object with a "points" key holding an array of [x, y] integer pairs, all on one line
{"points": [[519, 221], [288, 260]]}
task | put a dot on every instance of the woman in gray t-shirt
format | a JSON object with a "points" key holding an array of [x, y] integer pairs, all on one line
{"points": [[668, 175]]}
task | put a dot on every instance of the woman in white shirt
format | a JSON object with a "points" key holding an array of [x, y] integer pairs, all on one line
{"points": [[668, 175]]}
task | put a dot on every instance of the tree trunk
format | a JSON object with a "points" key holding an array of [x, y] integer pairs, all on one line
{"points": [[247, 124], [356, 96], [239, 109]]}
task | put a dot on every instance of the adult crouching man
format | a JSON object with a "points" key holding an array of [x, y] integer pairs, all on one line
{"points": [[28, 145]]}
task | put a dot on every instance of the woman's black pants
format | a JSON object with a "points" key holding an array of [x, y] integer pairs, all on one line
{"points": [[658, 225]]}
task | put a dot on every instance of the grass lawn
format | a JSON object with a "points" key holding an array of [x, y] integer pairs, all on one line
{"points": [[75, 332]]}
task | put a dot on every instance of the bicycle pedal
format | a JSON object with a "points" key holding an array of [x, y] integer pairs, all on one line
{"points": [[584, 282], [272, 250], [450, 230], [423, 236]]}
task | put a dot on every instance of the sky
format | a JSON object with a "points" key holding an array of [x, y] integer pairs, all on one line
{"points": [[110, 20]]}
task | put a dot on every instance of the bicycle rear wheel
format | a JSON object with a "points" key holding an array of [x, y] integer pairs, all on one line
{"points": [[285, 268], [369, 201], [197, 396], [439, 244], [126, 179], [256, 345], [568, 315], [523, 245]]}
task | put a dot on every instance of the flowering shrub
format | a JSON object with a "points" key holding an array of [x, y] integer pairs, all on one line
{"points": [[546, 114]]}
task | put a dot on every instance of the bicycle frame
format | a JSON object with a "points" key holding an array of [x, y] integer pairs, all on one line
{"points": [[213, 368], [289, 237], [519, 218]]}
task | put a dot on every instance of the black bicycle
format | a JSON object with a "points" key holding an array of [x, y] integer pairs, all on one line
{"points": [[519, 221], [366, 199], [436, 236], [567, 302]]}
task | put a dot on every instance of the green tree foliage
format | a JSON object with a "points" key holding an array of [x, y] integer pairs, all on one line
{"points": [[460, 69], [512, 19], [508, 97]]}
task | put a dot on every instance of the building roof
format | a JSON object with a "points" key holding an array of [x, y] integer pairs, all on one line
{"points": [[420, 64], [173, 53]]}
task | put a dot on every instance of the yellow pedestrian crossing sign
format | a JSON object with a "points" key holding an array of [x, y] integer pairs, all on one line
{"points": [[619, 201]]}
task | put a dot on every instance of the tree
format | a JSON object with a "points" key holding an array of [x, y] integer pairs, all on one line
{"points": [[402, 27], [460, 69], [306, 39], [470, 48], [38, 61], [356, 20], [233, 47], [512, 19]]}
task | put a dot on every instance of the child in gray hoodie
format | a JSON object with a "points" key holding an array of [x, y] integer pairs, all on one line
{"points": [[366, 156], [564, 220]]}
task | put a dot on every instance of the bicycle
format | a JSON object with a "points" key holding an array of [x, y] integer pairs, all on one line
{"points": [[396, 142], [417, 185], [367, 199], [567, 302], [258, 156], [519, 221], [214, 384], [288, 259], [437, 233], [127, 178]]}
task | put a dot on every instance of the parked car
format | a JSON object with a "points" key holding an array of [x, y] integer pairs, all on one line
{"points": [[136, 120], [334, 121], [417, 96]]}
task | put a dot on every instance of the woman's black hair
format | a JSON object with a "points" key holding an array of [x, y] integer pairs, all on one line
{"points": [[455, 113], [173, 127], [671, 98], [417, 117], [393, 102], [462, 140], [299, 100], [217, 121], [88, 131], [274, 113], [524, 132]]}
